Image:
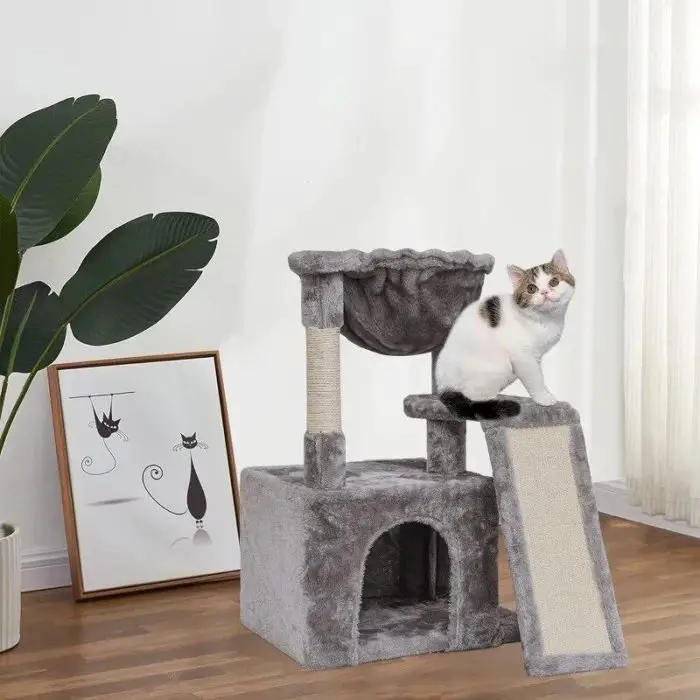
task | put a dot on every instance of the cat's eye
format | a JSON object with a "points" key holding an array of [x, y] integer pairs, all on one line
{"points": [[553, 282], [531, 288]]}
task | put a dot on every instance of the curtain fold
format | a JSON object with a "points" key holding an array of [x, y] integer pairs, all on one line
{"points": [[662, 310]]}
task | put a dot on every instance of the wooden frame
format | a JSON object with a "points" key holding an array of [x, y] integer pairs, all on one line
{"points": [[79, 592]]}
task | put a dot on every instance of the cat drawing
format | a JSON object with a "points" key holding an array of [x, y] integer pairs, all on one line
{"points": [[496, 340], [189, 443], [196, 500], [106, 427]]}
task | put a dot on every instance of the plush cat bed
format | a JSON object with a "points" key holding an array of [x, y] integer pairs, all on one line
{"points": [[399, 302], [345, 563]]}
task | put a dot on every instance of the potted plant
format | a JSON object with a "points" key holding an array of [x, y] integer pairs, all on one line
{"points": [[50, 178]]}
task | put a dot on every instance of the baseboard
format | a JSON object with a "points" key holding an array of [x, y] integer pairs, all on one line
{"points": [[611, 499], [42, 570]]}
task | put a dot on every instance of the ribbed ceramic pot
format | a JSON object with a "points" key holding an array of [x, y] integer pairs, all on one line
{"points": [[10, 586]]}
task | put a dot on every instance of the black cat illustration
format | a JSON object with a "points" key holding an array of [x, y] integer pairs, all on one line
{"points": [[189, 443], [106, 427], [196, 499]]}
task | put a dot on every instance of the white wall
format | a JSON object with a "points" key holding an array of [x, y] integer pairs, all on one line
{"points": [[331, 125]]}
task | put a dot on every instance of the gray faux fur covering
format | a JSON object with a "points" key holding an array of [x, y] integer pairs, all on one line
{"points": [[305, 554], [399, 302], [344, 564]]}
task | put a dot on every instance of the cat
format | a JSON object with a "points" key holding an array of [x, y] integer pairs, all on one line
{"points": [[106, 427], [189, 442], [196, 500], [496, 340]]}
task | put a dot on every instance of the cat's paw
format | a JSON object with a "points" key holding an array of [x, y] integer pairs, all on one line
{"points": [[545, 399]]}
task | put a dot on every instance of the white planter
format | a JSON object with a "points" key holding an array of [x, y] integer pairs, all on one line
{"points": [[10, 586]]}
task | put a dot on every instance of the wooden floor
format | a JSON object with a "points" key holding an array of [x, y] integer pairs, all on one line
{"points": [[187, 644]]}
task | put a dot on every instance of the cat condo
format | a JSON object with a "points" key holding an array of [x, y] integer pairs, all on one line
{"points": [[350, 562]]}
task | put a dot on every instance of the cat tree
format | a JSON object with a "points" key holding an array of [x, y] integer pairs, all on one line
{"points": [[345, 563]]}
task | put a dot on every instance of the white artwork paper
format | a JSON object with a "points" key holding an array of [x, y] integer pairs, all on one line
{"points": [[149, 470]]}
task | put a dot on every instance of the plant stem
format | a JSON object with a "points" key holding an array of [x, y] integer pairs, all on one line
{"points": [[3, 330], [25, 388], [6, 315], [3, 392], [15, 408], [13, 352]]}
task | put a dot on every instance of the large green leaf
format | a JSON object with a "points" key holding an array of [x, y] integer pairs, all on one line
{"points": [[47, 159], [9, 252], [136, 274], [37, 308], [79, 211]]}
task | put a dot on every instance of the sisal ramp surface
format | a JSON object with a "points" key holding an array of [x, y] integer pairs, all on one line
{"points": [[568, 617]]}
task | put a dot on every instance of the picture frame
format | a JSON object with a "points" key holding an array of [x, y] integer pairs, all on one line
{"points": [[148, 503]]}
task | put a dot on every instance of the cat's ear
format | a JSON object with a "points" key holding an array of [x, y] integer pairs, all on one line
{"points": [[515, 273], [559, 260]]}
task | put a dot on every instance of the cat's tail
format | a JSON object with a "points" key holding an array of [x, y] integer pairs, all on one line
{"points": [[493, 409], [155, 471], [86, 463]]}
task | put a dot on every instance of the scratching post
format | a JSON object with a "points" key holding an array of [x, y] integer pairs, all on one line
{"points": [[324, 442], [446, 438], [446, 447], [323, 381], [345, 563]]}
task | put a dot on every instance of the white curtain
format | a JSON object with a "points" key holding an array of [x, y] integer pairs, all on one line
{"points": [[662, 309]]}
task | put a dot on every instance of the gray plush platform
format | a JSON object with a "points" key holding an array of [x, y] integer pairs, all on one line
{"points": [[313, 585]]}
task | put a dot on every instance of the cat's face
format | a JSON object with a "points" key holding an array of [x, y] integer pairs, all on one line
{"points": [[548, 287], [189, 441], [111, 425]]}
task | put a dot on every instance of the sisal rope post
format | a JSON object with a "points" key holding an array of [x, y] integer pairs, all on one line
{"points": [[324, 442], [323, 412]]}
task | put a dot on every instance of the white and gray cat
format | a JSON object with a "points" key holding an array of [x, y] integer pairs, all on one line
{"points": [[497, 340]]}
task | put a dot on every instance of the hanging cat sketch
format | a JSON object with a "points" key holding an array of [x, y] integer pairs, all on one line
{"points": [[106, 427], [196, 500]]}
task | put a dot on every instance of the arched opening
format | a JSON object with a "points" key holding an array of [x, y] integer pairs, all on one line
{"points": [[405, 593]]}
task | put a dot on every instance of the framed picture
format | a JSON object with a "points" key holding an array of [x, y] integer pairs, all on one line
{"points": [[148, 478]]}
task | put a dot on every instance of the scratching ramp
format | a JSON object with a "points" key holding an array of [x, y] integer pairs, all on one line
{"points": [[565, 601]]}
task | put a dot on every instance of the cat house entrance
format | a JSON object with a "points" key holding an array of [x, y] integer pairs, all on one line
{"points": [[405, 594]]}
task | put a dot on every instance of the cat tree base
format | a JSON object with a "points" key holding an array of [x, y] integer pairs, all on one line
{"points": [[339, 577]]}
